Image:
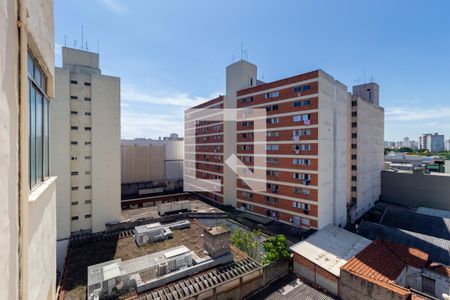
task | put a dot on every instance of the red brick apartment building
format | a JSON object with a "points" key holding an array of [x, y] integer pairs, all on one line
{"points": [[308, 142]]}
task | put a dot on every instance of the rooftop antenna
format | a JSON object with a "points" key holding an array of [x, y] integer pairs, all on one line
{"points": [[75, 44], [233, 58], [65, 40], [364, 75], [98, 47], [243, 51], [82, 37], [86, 46]]}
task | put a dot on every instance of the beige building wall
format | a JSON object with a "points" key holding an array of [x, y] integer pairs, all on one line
{"points": [[151, 160], [27, 218], [86, 141]]}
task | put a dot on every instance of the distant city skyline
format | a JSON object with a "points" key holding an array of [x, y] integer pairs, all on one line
{"points": [[166, 68]]}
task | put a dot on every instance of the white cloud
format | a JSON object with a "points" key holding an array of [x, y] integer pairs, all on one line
{"points": [[131, 93], [405, 113], [145, 125], [114, 5]]}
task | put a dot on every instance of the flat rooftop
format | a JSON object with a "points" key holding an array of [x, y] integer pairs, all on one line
{"points": [[82, 255], [152, 211]]}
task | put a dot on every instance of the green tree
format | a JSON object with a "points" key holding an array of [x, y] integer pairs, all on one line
{"points": [[246, 241], [276, 248]]}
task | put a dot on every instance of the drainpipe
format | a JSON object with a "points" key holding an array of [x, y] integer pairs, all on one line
{"points": [[23, 152]]}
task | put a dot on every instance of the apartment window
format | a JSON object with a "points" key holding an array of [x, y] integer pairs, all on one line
{"points": [[300, 132], [354, 189], [246, 195], [353, 168], [74, 158], [74, 188], [354, 146], [87, 187], [354, 113], [353, 124], [87, 113], [247, 123], [74, 82], [247, 159], [87, 201], [300, 103], [354, 178], [72, 112], [87, 99], [304, 162], [306, 87], [87, 173], [247, 147], [74, 218], [87, 216], [272, 107], [273, 120], [87, 143], [74, 97], [428, 285], [302, 147], [354, 135], [38, 123], [272, 160], [354, 156], [74, 173], [305, 118], [272, 133], [74, 127], [272, 94], [272, 173], [87, 84], [87, 128], [354, 103], [272, 200], [87, 157], [245, 135], [272, 147], [247, 100], [74, 203]]}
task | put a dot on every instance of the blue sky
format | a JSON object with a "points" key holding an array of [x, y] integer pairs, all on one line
{"points": [[173, 54]]}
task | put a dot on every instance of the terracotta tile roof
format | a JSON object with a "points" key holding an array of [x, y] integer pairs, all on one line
{"points": [[439, 268], [382, 262]]}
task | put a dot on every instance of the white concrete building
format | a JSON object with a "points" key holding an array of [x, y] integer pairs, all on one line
{"points": [[447, 145], [27, 191], [85, 146], [367, 152]]}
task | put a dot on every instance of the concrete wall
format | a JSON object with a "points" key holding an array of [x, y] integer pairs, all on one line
{"points": [[333, 151], [36, 243], [416, 190], [151, 160], [42, 241], [239, 75], [352, 287], [105, 151], [60, 150], [370, 156], [9, 150]]}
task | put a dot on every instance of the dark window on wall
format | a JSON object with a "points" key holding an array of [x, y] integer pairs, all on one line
{"points": [[74, 97], [38, 119], [87, 99], [74, 82], [87, 84]]}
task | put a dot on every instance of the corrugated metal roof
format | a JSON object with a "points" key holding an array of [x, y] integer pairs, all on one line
{"points": [[429, 225], [331, 247], [438, 249], [290, 287], [433, 212]]}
